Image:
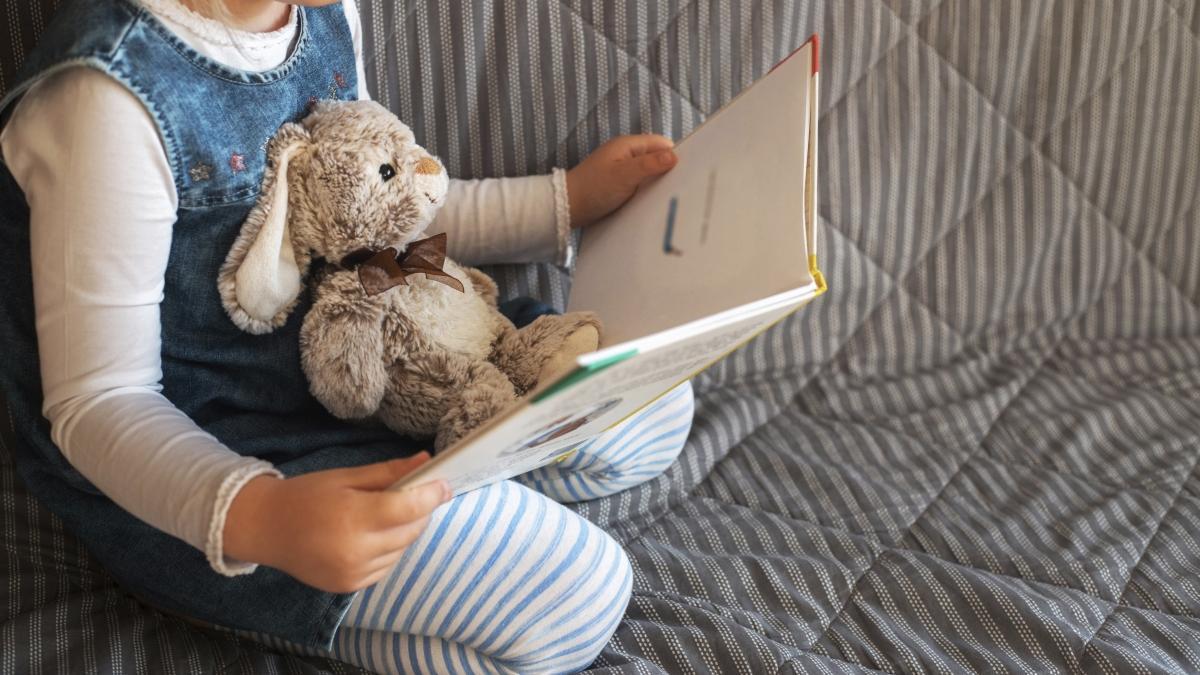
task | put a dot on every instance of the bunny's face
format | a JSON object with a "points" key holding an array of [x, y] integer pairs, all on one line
{"points": [[349, 177], [367, 183]]}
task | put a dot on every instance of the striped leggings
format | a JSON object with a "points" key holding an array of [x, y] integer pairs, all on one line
{"points": [[507, 580]]}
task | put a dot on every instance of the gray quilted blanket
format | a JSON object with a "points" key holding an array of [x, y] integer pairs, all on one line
{"points": [[978, 452]]}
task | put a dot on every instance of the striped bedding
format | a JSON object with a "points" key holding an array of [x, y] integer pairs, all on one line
{"points": [[978, 452]]}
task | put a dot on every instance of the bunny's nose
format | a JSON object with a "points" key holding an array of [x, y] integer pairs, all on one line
{"points": [[428, 166]]}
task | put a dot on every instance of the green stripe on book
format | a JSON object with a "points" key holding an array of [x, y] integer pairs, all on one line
{"points": [[583, 372]]}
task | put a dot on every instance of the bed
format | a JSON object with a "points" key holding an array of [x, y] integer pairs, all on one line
{"points": [[978, 452]]}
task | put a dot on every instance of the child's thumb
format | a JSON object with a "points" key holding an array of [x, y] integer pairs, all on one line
{"points": [[382, 475], [655, 163]]}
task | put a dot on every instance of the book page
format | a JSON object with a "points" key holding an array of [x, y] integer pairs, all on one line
{"points": [[670, 312], [726, 227], [545, 427]]}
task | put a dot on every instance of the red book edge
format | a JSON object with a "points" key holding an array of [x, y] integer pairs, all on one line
{"points": [[816, 59]]}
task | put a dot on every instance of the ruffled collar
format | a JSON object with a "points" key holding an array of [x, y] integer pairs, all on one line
{"points": [[214, 32]]}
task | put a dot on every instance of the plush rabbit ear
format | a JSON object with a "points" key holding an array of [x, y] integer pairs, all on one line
{"points": [[260, 280]]}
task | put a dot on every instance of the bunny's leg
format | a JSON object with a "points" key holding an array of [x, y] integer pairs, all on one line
{"points": [[485, 393], [545, 347], [443, 395]]}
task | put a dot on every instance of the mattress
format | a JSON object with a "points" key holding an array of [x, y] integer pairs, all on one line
{"points": [[977, 452]]}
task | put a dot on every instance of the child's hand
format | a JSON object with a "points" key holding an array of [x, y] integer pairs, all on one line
{"points": [[338, 530], [610, 175]]}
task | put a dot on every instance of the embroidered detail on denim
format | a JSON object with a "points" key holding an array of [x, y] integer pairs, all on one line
{"points": [[312, 103], [200, 172], [340, 81], [237, 162], [332, 94]]}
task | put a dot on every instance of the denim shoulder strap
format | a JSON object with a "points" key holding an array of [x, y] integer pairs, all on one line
{"points": [[82, 33]]}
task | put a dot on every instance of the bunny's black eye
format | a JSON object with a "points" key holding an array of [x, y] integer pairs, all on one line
{"points": [[387, 172]]}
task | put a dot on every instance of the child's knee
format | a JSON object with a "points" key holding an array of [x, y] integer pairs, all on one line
{"points": [[569, 640], [677, 407], [632, 452], [648, 442]]}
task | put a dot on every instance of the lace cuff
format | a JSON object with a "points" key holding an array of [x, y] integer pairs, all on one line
{"points": [[213, 548], [562, 219]]}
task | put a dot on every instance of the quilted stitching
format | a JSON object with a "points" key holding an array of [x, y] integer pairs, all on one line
{"points": [[1131, 518], [980, 450]]}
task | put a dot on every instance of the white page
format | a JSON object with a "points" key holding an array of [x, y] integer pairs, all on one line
{"points": [[542, 430], [736, 207], [623, 377]]}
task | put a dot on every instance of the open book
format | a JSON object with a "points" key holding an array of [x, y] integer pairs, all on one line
{"points": [[696, 264]]}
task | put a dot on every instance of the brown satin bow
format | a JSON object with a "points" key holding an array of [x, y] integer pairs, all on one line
{"points": [[379, 271]]}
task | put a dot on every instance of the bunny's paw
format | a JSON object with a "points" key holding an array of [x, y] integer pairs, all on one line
{"points": [[486, 393]]}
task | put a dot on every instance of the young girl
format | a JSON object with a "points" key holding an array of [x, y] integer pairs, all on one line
{"points": [[186, 453]]}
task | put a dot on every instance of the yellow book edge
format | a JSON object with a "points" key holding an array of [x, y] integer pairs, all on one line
{"points": [[818, 278], [571, 377]]}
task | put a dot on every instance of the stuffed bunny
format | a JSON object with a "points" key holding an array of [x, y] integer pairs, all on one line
{"points": [[396, 332]]}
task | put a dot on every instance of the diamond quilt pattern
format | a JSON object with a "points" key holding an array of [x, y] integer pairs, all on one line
{"points": [[978, 453]]}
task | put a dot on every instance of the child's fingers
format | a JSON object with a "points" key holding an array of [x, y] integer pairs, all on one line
{"points": [[656, 163], [395, 509], [388, 546], [641, 144], [382, 566], [382, 475], [375, 577]]}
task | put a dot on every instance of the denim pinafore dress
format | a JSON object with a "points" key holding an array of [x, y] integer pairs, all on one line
{"points": [[246, 390]]}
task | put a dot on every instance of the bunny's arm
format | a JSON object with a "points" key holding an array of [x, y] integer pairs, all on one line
{"points": [[484, 285], [342, 350]]}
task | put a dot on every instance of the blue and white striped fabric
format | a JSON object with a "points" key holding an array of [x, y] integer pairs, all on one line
{"points": [[630, 453], [977, 453], [507, 580]]}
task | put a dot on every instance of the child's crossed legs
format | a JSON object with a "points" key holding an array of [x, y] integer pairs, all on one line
{"points": [[506, 580]]}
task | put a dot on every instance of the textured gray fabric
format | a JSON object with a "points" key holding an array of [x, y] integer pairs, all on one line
{"points": [[23, 22], [978, 452]]}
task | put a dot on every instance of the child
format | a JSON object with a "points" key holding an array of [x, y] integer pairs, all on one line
{"points": [[186, 453]]}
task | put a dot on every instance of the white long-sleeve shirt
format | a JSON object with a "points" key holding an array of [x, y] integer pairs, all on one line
{"points": [[102, 200]]}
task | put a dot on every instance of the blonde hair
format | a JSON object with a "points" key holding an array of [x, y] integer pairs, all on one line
{"points": [[213, 9]]}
